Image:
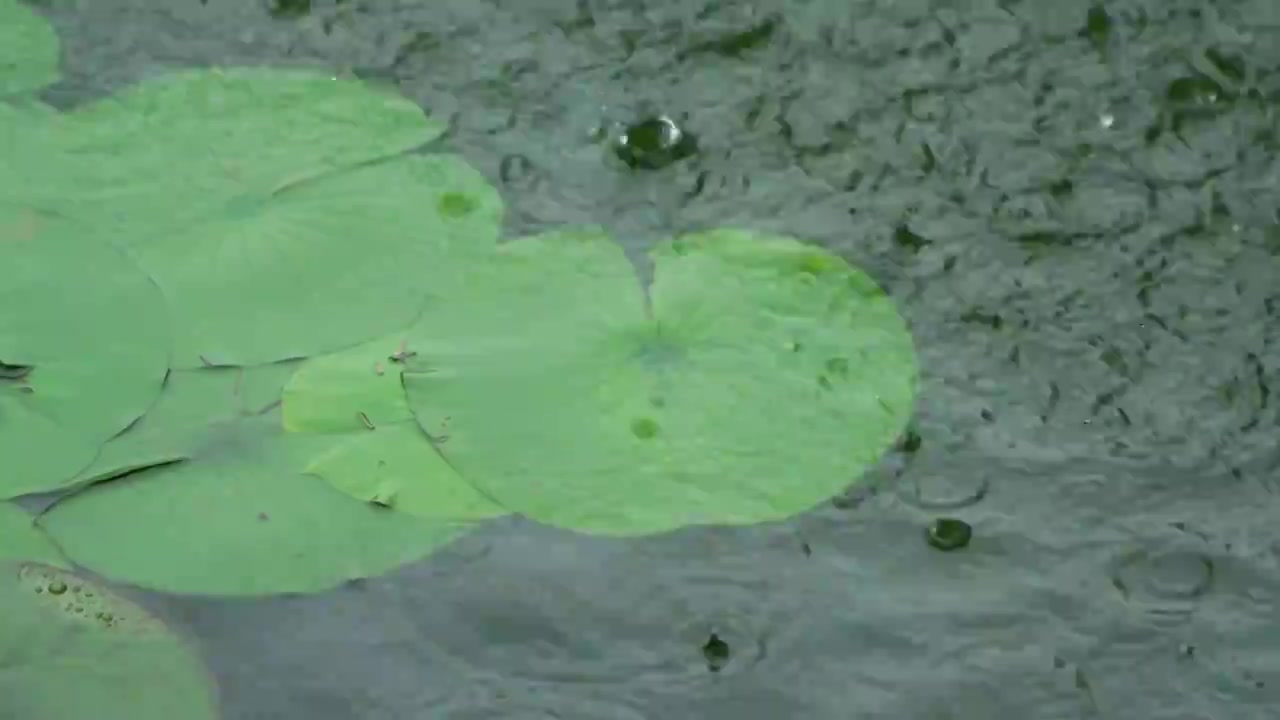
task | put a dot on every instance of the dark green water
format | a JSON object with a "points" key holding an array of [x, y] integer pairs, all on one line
{"points": [[1074, 205]]}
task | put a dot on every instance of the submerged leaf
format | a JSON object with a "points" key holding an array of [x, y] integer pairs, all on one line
{"points": [[396, 466], [239, 518], [192, 402], [21, 540], [69, 648], [350, 390]]}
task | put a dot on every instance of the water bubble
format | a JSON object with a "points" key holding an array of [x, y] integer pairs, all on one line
{"points": [[653, 144], [57, 587], [947, 534], [716, 651]]}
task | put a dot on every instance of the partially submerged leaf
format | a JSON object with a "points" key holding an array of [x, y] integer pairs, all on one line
{"points": [[350, 390], [767, 377], [240, 518], [28, 50], [70, 648], [88, 335], [296, 225], [192, 402], [21, 540], [396, 466]]}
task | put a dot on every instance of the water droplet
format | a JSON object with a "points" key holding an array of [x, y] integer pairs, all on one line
{"points": [[57, 587], [289, 8], [644, 428], [1106, 120], [910, 442], [948, 534], [515, 169], [1193, 90], [653, 144], [454, 205], [716, 651], [1097, 27]]}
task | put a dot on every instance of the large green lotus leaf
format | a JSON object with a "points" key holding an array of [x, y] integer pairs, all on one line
{"points": [[236, 131], [20, 539], [191, 403], [29, 132], [28, 50], [239, 518], [396, 466], [350, 390], [70, 648], [84, 348], [764, 377], [266, 207]]}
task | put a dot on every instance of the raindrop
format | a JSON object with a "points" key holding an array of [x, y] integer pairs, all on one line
{"points": [[653, 144], [948, 534], [910, 442], [290, 8], [716, 651], [514, 169], [904, 237], [1097, 27]]}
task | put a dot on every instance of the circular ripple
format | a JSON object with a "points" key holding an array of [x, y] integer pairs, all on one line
{"points": [[596, 615], [1165, 586], [943, 492]]}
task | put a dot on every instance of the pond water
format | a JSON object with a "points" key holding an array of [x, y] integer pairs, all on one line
{"points": [[1075, 206]]}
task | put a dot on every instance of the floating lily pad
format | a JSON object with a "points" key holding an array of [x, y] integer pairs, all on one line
{"points": [[28, 50], [84, 347], [295, 225], [20, 539], [239, 518], [765, 377], [191, 403], [72, 649]]}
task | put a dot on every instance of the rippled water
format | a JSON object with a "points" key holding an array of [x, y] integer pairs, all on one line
{"points": [[1075, 207]]}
